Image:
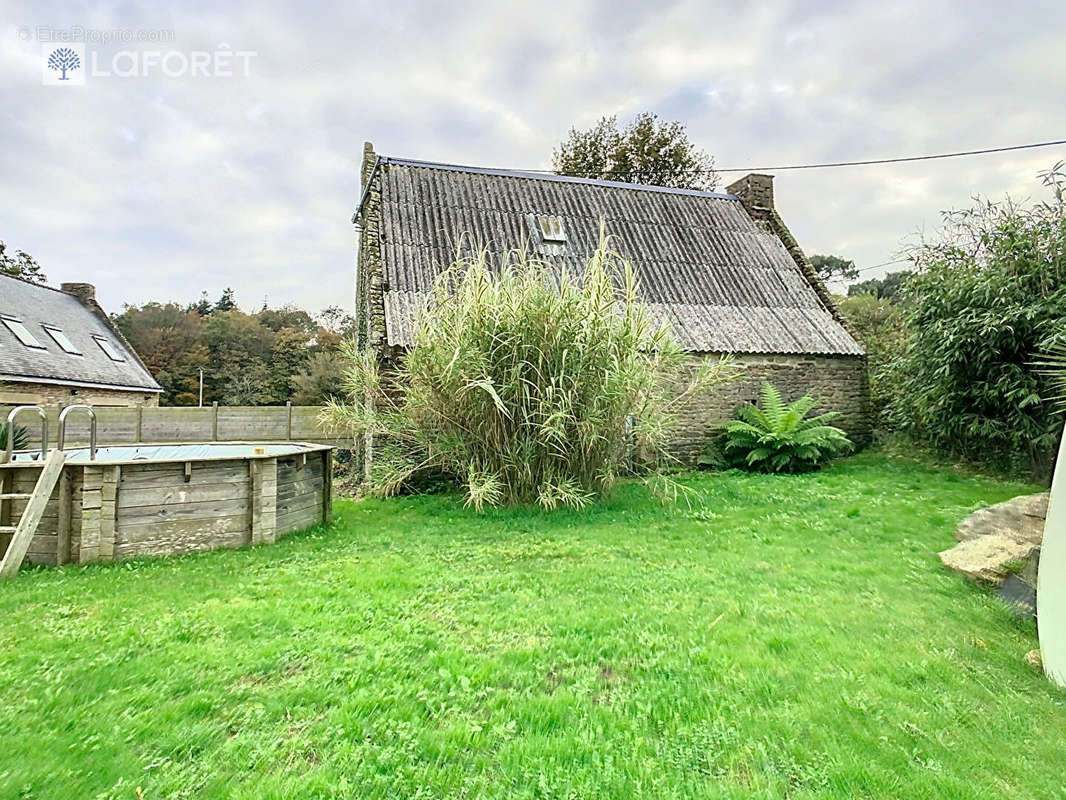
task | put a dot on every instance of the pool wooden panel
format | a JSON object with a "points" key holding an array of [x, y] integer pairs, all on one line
{"points": [[105, 512]]}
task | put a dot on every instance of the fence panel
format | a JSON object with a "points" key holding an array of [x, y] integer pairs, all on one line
{"points": [[251, 423], [176, 424]]}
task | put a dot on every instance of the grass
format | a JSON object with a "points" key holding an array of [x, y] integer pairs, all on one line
{"points": [[787, 636]]}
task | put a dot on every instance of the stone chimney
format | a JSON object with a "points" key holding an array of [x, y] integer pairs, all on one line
{"points": [[756, 193], [369, 157], [85, 292]]}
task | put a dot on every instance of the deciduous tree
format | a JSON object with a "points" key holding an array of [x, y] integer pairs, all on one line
{"points": [[647, 151], [886, 288], [834, 268], [21, 264], [248, 359], [880, 325], [168, 338], [320, 380]]}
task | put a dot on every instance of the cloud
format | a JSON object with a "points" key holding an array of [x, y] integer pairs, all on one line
{"points": [[155, 188]]}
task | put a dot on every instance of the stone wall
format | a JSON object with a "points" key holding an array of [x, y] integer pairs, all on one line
{"points": [[370, 281], [47, 394], [838, 382]]}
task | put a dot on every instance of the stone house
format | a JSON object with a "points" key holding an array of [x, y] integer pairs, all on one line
{"points": [[721, 268], [58, 347]]}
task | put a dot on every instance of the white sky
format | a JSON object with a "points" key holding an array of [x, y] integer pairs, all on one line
{"points": [[157, 187]]}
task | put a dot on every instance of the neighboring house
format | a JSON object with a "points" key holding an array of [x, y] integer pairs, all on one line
{"points": [[721, 268], [58, 348]]}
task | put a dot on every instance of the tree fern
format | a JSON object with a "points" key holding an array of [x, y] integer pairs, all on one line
{"points": [[779, 437], [21, 435], [1053, 366]]}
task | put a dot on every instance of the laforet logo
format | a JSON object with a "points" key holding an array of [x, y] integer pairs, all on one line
{"points": [[69, 64], [63, 59], [64, 65]]}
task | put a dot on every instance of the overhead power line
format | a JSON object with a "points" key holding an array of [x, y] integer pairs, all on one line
{"points": [[899, 160], [871, 267], [885, 264]]}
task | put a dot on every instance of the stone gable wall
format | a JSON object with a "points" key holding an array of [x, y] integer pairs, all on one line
{"points": [[370, 304], [838, 382]]}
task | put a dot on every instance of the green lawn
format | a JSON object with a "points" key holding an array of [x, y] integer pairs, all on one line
{"points": [[784, 637]]}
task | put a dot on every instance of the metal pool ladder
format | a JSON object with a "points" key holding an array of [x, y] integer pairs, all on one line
{"points": [[92, 428], [52, 467], [11, 430]]}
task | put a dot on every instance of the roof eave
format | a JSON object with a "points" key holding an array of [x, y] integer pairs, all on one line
{"points": [[157, 389]]}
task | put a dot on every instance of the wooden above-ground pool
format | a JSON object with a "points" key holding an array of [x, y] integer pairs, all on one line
{"points": [[165, 499]]}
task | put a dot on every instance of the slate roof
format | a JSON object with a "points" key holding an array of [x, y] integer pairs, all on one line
{"points": [[36, 306], [724, 283]]}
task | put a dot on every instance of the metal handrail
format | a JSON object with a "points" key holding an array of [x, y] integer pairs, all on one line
{"points": [[11, 430], [92, 428]]}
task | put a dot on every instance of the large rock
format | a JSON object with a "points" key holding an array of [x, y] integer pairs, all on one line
{"points": [[1021, 518], [994, 541], [986, 559]]}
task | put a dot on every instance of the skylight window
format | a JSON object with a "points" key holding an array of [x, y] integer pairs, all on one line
{"points": [[108, 348], [61, 339], [22, 333], [551, 229]]}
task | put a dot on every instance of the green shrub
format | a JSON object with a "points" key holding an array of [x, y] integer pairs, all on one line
{"points": [[778, 437], [879, 323], [989, 297], [524, 385], [21, 435]]}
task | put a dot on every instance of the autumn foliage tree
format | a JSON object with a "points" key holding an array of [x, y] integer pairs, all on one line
{"points": [[268, 357], [169, 339]]}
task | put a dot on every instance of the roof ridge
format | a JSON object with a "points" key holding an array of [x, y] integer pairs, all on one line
{"points": [[548, 176], [34, 284]]}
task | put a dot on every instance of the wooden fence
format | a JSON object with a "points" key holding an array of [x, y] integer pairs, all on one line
{"points": [[212, 423]]}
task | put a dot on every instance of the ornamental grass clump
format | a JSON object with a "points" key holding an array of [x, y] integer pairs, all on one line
{"points": [[525, 384]]}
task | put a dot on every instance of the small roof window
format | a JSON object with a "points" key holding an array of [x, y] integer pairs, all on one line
{"points": [[22, 333], [108, 348], [551, 229], [61, 339]]}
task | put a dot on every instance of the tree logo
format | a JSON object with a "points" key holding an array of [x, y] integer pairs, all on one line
{"points": [[63, 59], [63, 65]]}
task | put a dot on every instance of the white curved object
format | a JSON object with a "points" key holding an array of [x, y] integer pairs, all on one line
{"points": [[1051, 578]]}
